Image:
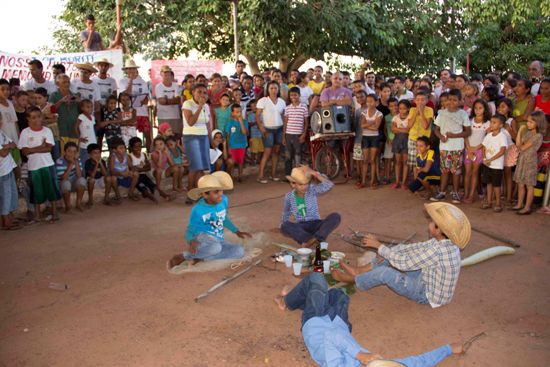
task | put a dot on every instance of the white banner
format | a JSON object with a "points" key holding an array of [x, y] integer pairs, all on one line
{"points": [[16, 65]]}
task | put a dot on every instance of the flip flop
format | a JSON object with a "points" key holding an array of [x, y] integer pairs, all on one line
{"points": [[527, 212], [262, 180]]}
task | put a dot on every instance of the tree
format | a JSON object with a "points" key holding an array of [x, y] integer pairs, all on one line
{"points": [[397, 35]]}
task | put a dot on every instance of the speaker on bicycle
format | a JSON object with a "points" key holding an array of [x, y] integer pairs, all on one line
{"points": [[333, 119], [341, 119], [327, 120]]}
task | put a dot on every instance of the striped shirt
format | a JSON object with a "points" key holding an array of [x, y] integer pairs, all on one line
{"points": [[296, 116], [312, 209], [439, 262], [61, 166]]}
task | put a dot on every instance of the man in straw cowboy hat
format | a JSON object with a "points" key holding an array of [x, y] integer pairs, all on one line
{"points": [[86, 88], [327, 331], [425, 272], [209, 217], [137, 88], [301, 220], [168, 97]]}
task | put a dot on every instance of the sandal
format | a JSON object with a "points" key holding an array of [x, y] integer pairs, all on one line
{"points": [[274, 179], [373, 186], [527, 212], [359, 186], [485, 205], [262, 180], [497, 209]]}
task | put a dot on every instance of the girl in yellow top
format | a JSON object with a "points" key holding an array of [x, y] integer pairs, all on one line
{"points": [[524, 104], [317, 83]]}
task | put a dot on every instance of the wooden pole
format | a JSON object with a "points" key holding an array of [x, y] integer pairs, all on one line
{"points": [[235, 29], [118, 17]]}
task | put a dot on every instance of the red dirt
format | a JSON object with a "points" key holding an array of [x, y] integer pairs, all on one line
{"points": [[124, 309]]}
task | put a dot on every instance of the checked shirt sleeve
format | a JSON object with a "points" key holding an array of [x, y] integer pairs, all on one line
{"points": [[415, 258], [322, 187]]}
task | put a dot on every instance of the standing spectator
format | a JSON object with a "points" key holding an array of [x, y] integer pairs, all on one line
{"points": [[444, 76], [336, 94], [66, 105], [370, 78], [57, 69], [86, 88], [536, 74], [239, 69], [38, 81], [168, 100], [402, 91], [90, 39], [107, 85], [136, 87], [247, 93]]}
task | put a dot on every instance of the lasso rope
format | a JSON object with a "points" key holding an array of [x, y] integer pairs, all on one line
{"points": [[247, 259]]}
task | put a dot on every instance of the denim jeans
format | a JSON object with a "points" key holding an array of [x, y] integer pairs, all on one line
{"points": [[304, 231], [313, 297], [212, 248], [293, 152], [407, 284]]}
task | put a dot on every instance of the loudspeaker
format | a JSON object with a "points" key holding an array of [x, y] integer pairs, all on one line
{"points": [[341, 119], [327, 123]]}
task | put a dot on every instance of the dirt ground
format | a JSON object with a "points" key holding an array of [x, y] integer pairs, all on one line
{"points": [[123, 308]]}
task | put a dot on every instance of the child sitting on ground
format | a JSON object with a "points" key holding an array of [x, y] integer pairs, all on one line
{"points": [[400, 127], [163, 166], [120, 168], [180, 162], [424, 272], [70, 175], [140, 164], [426, 171], [8, 187], [494, 147], [209, 216], [97, 174], [301, 220], [85, 128], [36, 143], [236, 131]]}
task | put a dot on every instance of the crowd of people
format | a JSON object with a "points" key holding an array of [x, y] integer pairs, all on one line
{"points": [[486, 136]]}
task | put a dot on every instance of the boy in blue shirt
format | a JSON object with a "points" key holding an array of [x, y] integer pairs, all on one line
{"points": [[426, 171], [236, 131], [209, 217], [327, 331]]}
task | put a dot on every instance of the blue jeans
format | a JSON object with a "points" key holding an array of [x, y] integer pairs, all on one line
{"points": [[407, 284], [212, 248], [302, 232], [273, 137], [313, 297]]}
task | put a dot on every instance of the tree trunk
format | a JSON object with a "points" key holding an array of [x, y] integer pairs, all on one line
{"points": [[298, 61], [283, 63], [253, 64]]}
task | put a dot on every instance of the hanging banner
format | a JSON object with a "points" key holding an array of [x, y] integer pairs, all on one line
{"points": [[183, 67], [16, 65]]}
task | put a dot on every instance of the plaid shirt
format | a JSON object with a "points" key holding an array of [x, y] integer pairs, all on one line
{"points": [[439, 262], [310, 198]]}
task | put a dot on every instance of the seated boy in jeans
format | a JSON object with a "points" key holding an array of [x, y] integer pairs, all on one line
{"points": [[301, 219], [70, 175], [425, 272], [209, 217], [327, 331]]}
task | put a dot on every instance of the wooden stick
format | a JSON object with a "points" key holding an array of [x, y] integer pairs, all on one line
{"points": [[225, 281], [496, 237]]}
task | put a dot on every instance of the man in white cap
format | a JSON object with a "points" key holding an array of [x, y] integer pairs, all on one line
{"points": [[425, 272], [86, 88], [36, 70], [137, 88], [327, 331], [168, 97]]}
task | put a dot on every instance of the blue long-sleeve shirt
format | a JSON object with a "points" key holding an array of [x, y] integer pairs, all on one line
{"points": [[210, 219], [312, 209], [331, 344]]}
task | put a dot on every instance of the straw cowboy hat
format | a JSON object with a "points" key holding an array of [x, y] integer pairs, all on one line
{"points": [[384, 363], [214, 182], [103, 60], [165, 68], [299, 176], [451, 221], [86, 66], [130, 64]]}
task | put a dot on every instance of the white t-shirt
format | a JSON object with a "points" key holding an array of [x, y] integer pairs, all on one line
{"points": [[140, 91], [370, 120], [168, 111], [32, 139], [86, 130], [201, 126], [509, 140], [9, 122], [7, 164], [535, 89], [479, 130], [305, 93], [106, 86], [33, 85], [86, 91], [399, 122], [407, 95], [272, 113], [452, 122], [492, 146]]}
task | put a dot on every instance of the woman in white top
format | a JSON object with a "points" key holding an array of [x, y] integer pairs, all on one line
{"points": [[269, 117], [196, 130], [370, 142]]}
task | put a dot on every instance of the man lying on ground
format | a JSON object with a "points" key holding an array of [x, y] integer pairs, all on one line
{"points": [[327, 330], [425, 272]]}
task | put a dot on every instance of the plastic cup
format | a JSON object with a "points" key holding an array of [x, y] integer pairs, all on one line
{"points": [[324, 245], [326, 266], [297, 268], [288, 260]]}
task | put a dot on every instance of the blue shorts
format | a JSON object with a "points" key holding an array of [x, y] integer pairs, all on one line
{"points": [[370, 142], [273, 137], [197, 150], [124, 181]]}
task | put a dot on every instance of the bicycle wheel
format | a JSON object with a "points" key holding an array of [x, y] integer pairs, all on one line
{"points": [[328, 162]]}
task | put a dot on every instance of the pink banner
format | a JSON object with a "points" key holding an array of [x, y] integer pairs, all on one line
{"points": [[184, 67]]}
